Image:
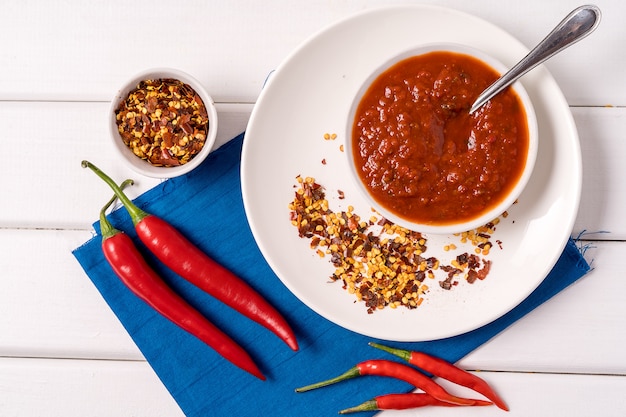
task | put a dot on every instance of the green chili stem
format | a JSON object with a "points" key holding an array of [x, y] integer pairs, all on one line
{"points": [[106, 228], [370, 405], [350, 373], [136, 214], [404, 354]]}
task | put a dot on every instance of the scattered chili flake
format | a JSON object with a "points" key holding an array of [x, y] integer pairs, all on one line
{"points": [[163, 121], [381, 263]]}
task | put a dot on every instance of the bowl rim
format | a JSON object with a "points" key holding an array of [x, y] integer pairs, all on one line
{"points": [[142, 166], [494, 212]]}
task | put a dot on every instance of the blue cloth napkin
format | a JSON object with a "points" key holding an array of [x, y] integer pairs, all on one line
{"points": [[206, 205]]}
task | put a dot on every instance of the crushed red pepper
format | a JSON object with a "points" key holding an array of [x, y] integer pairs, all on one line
{"points": [[381, 263], [163, 121]]}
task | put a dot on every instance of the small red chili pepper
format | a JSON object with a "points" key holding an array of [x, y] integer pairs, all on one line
{"points": [[403, 402], [446, 370], [145, 283], [185, 259], [381, 367]]}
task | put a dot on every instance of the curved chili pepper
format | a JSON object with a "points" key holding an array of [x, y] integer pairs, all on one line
{"points": [[144, 282], [381, 367], [184, 258], [446, 370], [403, 402]]}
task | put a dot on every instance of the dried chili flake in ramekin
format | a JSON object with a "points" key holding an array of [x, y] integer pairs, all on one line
{"points": [[163, 121]]}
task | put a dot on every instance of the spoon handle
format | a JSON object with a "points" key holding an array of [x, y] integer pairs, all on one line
{"points": [[577, 25]]}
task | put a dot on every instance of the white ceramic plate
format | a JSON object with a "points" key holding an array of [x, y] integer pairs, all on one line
{"points": [[310, 95]]}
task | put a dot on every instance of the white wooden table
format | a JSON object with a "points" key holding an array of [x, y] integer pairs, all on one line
{"points": [[63, 352]]}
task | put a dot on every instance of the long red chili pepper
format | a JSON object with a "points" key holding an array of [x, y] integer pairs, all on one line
{"points": [[381, 367], [144, 282], [446, 370], [184, 258], [402, 402]]}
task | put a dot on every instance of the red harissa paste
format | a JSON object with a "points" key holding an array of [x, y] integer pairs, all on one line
{"points": [[419, 151]]}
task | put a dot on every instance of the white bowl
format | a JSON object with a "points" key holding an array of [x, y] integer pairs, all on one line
{"points": [[145, 167], [495, 211]]}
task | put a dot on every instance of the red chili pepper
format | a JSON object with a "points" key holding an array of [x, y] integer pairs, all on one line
{"points": [[402, 402], [184, 258], [381, 367], [144, 282], [446, 370]]}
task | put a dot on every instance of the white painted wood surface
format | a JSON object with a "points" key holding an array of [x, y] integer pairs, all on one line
{"points": [[62, 351]]}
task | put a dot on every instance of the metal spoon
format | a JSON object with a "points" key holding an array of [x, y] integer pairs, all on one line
{"points": [[577, 25]]}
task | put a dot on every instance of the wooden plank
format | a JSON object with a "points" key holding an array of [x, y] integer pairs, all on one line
{"points": [[53, 191], [535, 394], [79, 130], [51, 388], [603, 146], [75, 50], [49, 306], [51, 309], [579, 330]]}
